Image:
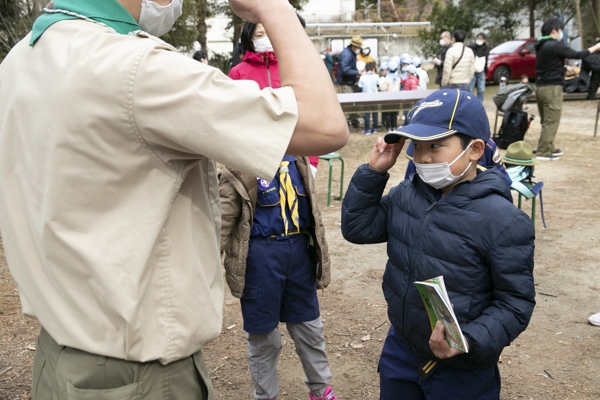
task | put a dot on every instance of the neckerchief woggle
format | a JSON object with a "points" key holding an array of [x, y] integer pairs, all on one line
{"points": [[109, 13]]}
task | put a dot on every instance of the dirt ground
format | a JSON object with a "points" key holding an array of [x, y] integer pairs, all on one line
{"points": [[557, 357]]}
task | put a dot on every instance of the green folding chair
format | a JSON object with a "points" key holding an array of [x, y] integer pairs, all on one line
{"points": [[329, 157]]}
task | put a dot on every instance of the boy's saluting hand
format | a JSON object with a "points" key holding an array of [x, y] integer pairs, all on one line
{"points": [[384, 155]]}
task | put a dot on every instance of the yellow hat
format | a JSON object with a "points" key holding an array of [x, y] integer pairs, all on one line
{"points": [[356, 41]]}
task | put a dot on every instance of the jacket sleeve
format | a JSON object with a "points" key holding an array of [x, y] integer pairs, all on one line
{"points": [[231, 208], [472, 64], [513, 298], [567, 52], [447, 70], [364, 210]]}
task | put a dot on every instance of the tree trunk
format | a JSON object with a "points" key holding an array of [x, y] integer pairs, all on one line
{"points": [[531, 18], [237, 23], [201, 26]]}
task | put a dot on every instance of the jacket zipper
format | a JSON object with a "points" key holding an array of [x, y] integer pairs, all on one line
{"points": [[411, 269], [269, 73]]}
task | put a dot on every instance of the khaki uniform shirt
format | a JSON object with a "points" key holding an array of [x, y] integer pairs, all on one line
{"points": [[109, 203]]}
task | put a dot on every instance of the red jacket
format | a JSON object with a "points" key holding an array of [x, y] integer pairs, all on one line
{"points": [[410, 83], [259, 67]]}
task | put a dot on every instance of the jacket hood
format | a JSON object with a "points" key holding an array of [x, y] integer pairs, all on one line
{"points": [[260, 58]]}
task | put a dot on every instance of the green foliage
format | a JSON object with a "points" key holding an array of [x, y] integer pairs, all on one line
{"points": [[445, 17], [184, 33], [16, 19], [221, 61], [501, 18]]}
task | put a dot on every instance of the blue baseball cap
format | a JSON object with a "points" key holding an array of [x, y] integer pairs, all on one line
{"points": [[444, 113]]}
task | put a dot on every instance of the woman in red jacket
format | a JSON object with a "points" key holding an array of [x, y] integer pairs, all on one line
{"points": [[260, 65]]}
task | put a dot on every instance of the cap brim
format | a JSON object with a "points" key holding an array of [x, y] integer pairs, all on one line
{"points": [[419, 132]]}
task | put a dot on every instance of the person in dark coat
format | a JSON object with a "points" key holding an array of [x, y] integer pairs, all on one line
{"points": [[348, 74], [591, 65], [482, 51], [448, 220], [550, 71], [446, 43]]}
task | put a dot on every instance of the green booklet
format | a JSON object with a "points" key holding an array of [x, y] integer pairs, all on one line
{"points": [[435, 298]]}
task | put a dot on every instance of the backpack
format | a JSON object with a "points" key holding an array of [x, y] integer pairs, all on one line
{"points": [[513, 128]]}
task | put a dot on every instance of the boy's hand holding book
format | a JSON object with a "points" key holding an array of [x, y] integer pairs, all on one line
{"points": [[439, 344]]}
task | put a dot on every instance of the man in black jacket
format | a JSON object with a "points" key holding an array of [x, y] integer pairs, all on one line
{"points": [[550, 71], [481, 50], [446, 43]]}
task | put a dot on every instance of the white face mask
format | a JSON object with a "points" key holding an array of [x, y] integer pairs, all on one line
{"points": [[158, 20], [561, 35], [262, 44], [439, 175], [357, 51], [366, 52], [479, 42], [442, 42]]}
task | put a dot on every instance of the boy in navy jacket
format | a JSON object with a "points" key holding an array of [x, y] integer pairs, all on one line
{"points": [[449, 219]]}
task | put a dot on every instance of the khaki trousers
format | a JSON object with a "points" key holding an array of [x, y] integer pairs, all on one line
{"points": [[549, 101], [64, 373]]}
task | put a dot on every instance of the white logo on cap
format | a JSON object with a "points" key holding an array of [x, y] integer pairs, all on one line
{"points": [[427, 104]]}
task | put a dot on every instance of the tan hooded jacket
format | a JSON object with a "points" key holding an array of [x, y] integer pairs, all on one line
{"points": [[239, 194]]}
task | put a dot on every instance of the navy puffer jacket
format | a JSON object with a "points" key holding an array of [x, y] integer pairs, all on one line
{"points": [[347, 73], [474, 236]]}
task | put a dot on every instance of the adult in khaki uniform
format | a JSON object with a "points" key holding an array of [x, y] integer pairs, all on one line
{"points": [[109, 204]]}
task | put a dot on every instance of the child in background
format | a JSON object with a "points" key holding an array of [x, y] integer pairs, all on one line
{"points": [[369, 82], [421, 73], [394, 86], [275, 250], [412, 81], [384, 83], [451, 220]]}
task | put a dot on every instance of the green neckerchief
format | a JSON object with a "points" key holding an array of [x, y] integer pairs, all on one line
{"points": [[107, 12], [545, 37]]}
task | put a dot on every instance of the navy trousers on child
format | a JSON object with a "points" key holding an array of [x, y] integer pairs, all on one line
{"points": [[404, 375], [281, 286]]}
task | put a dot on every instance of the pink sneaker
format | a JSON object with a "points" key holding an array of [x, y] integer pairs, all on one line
{"points": [[328, 395]]}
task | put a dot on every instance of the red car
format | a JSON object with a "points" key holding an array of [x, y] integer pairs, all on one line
{"points": [[511, 60]]}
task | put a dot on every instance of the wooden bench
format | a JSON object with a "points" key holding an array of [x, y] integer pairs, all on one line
{"points": [[381, 101]]}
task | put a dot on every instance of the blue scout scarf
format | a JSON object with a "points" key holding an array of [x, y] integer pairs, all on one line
{"points": [[109, 13]]}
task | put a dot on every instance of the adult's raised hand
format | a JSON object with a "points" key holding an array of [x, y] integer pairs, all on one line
{"points": [[253, 10]]}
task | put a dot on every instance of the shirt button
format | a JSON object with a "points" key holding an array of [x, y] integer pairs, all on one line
{"points": [[283, 234]]}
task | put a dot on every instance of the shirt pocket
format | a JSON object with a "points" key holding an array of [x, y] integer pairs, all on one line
{"points": [[269, 199]]}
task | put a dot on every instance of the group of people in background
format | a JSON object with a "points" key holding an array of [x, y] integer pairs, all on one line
{"points": [[397, 73], [460, 66]]}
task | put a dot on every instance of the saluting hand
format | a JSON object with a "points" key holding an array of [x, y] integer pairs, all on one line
{"points": [[384, 155]]}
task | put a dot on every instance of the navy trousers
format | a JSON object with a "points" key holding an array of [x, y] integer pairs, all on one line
{"points": [[402, 376]]}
